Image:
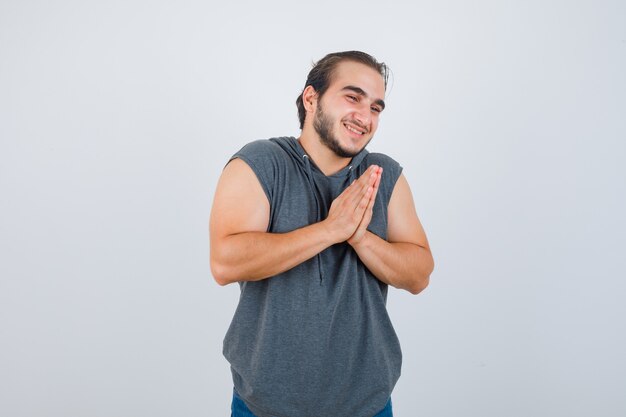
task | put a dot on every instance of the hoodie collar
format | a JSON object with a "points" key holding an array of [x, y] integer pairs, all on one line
{"points": [[292, 146]]}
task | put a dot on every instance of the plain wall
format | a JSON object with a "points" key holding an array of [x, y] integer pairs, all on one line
{"points": [[117, 117]]}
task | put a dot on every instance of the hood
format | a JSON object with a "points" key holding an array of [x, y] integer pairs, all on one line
{"points": [[292, 146]]}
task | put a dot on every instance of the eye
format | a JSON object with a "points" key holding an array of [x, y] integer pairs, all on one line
{"points": [[352, 98], [376, 109]]}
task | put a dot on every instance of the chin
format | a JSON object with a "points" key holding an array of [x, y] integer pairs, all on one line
{"points": [[355, 147]]}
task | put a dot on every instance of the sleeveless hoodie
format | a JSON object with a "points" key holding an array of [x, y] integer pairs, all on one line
{"points": [[316, 340]]}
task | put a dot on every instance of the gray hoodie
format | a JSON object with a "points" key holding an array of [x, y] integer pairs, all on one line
{"points": [[316, 340]]}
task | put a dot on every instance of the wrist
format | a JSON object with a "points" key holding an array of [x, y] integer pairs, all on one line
{"points": [[359, 240], [329, 233]]}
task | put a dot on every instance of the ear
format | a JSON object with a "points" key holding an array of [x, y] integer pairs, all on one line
{"points": [[309, 99]]}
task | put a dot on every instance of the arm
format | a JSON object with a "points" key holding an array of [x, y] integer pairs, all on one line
{"points": [[405, 260], [241, 247]]}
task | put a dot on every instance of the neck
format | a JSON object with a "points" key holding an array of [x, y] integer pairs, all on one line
{"points": [[325, 159]]}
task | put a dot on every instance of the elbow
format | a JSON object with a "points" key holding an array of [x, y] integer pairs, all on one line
{"points": [[419, 285], [422, 282], [223, 269], [222, 274]]}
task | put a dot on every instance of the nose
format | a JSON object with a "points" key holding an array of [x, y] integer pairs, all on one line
{"points": [[363, 115]]}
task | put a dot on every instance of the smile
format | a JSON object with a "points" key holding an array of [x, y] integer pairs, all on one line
{"points": [[354, 129]]}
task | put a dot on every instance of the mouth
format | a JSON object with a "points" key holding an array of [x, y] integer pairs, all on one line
{"points": [[355, 128]]}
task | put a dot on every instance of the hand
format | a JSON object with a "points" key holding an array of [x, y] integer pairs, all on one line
{"points": [[361, 230], [347, 211]]}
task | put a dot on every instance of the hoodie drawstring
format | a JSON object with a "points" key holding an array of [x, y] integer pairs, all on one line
{"points": [[309, 174]]}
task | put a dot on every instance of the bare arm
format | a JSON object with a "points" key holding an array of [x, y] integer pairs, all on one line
{"points": [[405, 260], [241, 247]]}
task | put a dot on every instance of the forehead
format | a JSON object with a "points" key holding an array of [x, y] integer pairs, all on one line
{"points": [[358, 75]]}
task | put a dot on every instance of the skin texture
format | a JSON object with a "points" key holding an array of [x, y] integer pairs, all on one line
{"points": [[323, 125], [242, 250]]}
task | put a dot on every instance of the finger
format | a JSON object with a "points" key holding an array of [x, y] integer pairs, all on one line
{"points": [[357, 183], [366, 189], [366, 218], [368, 178], [372, 198], [352, 195], [377, 182], [367, 213], [363, 203], [355, 191]]}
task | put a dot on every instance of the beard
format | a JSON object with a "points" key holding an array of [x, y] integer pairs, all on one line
{"points": [[323, 125]]}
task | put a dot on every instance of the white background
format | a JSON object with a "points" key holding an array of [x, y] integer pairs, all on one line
{"points": [[117, 117]]}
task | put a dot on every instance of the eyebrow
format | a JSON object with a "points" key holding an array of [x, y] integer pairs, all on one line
{"points": [[361, 92]]}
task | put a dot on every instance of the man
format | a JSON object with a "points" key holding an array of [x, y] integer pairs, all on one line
{"points": [[314, 230]]}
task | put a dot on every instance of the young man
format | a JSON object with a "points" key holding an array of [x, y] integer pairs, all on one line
{"points": [[314, 230]]}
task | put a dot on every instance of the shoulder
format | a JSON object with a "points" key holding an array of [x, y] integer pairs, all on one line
{"points": [[268, 159], [260, 148], [264, 156]]}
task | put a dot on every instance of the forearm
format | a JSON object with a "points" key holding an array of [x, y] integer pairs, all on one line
{"points": [[403, 265], [253, 256]]}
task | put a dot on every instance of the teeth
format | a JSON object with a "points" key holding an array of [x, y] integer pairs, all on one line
{"points": [[351, 129]]}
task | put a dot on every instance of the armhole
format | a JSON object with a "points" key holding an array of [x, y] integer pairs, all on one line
{"points": [[259, 172], [393, 180]]}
